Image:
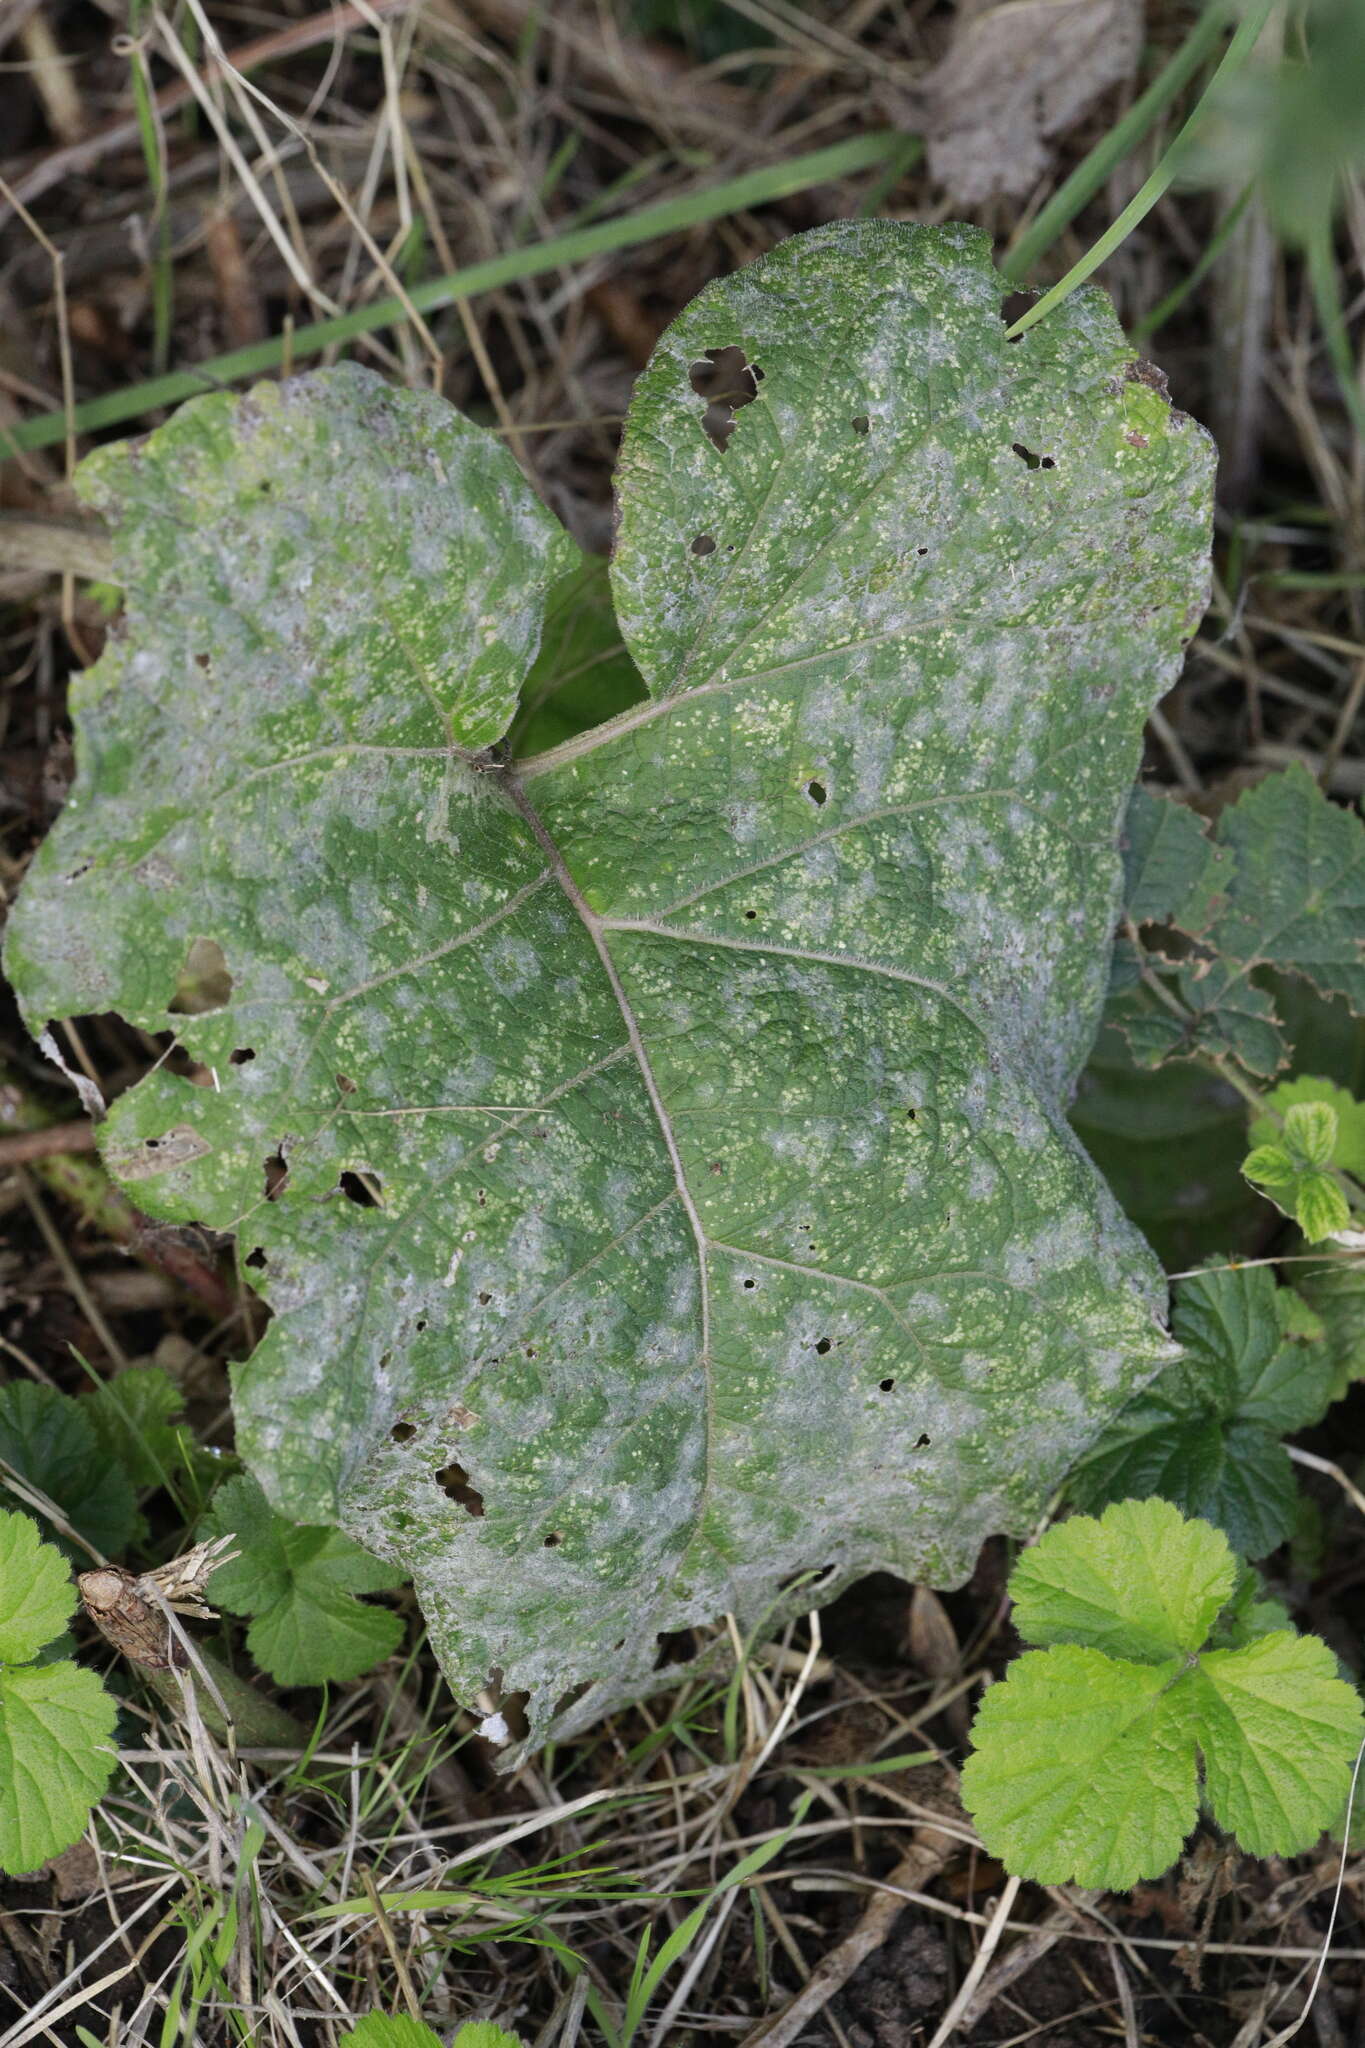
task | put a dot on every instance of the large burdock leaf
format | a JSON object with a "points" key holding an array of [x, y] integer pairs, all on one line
{"points": [[677, 1194]]}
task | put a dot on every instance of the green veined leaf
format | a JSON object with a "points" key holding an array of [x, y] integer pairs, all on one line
{"points": [[56, 1754], [379, 2030], [1270, 1166], [1310, 1129], [672, 1125], [1085, 1766], [1291, 897], [36, 1593], [49, 1440], [1205, 1434], [1320, 1208], [1140, 1581], [1348, 1152], [300, 1585], [1278, 1730]]}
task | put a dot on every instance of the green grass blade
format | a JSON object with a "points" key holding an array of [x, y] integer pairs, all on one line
{"points": [[680, 1940], [669, 216], [1085, 181], [1208, 256], [1137, 209]]}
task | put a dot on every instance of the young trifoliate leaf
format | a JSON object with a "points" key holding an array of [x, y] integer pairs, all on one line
{"points": [[1083, 1769], [1348, 1149], [50, 1441], [1139, 1582], [1085, 1765], [654, 1151], [1205, 1435], [36, 1594], [300, 1584]]}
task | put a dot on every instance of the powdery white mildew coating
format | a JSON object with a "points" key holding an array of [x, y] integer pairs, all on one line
{"points": [[711, 1069]]}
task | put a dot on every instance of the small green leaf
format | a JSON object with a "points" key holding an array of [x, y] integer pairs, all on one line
{"points": [[1205, 1434], [1320, 1208], [1083, 1768], [1291, 896], [1278, 1730], [36, 1593], [56, 1754], [1335, 1290], [1310, 1129], [1140, 1581], [49, 1440], [1348, 1152], [378, 2030], [1271, 1166], [1171, 868], [131, 1414], [483, 2034], [300, 1583]]}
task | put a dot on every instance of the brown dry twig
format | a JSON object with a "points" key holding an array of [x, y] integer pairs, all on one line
{"points": [[929, 1850]]}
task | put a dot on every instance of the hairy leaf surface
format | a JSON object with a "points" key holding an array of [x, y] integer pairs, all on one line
{"points": [[669, 1186], [1205, 1434], [1279, 883], [1086, 1764]]}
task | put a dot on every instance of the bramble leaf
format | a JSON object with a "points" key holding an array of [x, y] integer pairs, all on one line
{"points": [[1336, 1292], [56, 1755], [1271, 1166], [1085, 1765], [1172, 870], [301, 1586], [1310, 1130], [50, 1441], [1205, 1434], [1140, 1581], [670, 1191], [1291, 895], [36, 1593]]}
